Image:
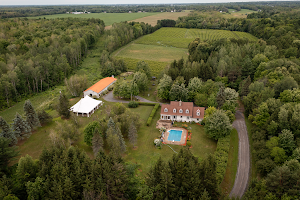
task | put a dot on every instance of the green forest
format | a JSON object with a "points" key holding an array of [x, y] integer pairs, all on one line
{"points": [[226, 70]]}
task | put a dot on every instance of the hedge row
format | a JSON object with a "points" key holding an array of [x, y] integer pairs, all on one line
{"points": [[152, 114], [221, 157]]}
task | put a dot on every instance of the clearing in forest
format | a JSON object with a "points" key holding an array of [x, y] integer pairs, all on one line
{"points": [[181, 37], [108, 18], [152, 52]]}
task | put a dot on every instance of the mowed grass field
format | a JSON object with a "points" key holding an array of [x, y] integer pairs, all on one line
{"points": [[181, 37], [147, 154], [108, 18], [152, 52]]}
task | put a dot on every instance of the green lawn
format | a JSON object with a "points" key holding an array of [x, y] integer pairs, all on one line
{"points": [[152, 52], [146, 154], [108, 18], [232, 163]]}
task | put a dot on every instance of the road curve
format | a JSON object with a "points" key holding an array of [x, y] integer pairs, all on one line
{"points": [[243, 171]]}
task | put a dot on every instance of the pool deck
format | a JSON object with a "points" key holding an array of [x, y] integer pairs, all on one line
{"points": [[182, 140]]}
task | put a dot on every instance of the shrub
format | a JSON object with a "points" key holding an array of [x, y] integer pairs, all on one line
{"points": [[152, 113], [221, 157], [133, 104], [188, 143], [44, 117], [110, 88], [104, 92]]}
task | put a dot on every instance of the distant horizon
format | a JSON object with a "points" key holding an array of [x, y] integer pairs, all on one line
{"points": [[118, 2]]}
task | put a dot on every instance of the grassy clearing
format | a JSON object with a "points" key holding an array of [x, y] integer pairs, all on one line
{"points": [[108, 18], [152, 52], [165, 15], [181, 37], [155, 66], [146, 154], [232, 163]]}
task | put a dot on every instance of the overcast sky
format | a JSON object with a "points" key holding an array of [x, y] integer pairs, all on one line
{"points": [[72, 2]]}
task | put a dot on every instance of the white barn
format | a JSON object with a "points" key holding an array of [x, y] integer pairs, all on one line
{"points": [[99, 87]]}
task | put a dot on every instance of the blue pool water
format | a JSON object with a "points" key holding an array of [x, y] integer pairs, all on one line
{"points": [[174, 135]]}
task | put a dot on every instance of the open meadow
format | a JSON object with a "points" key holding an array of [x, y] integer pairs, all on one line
{"points": [[108, 18]]}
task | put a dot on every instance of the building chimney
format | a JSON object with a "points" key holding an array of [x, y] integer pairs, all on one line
{"points": [[180, 103], [113, 76]]}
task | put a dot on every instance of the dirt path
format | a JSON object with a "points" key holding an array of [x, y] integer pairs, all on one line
{"points": [[243, 171]]}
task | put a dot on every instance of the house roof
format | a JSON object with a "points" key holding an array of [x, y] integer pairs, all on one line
{"points": [[85, 105], [187, 108], [100, 85]]}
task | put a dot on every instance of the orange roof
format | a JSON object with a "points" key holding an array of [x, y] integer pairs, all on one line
{"points": [[100, 85]]}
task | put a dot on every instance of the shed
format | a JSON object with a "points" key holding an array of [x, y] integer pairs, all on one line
{"points": [[86, 106]]}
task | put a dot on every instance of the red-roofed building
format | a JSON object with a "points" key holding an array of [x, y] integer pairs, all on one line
{"points": [[181, 112], [99, 87]]}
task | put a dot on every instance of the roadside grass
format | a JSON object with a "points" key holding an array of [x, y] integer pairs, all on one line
{"points": [[232, 163], [253, 172], [181, 37], [152, 52], [108, 18]]}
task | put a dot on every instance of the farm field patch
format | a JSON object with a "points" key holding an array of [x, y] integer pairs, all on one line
{"points": [[151, 52], [165, 15], [108, 18], [181, 37]]}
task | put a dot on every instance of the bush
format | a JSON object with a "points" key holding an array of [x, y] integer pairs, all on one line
{"points": [[133, 104], [188, 143], [221, 157], [110, 88], [152, 113], [44, 117], [104, 92]]}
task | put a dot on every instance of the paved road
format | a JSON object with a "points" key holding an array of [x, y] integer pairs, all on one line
{"points": [[243, 171], [110, 97]]}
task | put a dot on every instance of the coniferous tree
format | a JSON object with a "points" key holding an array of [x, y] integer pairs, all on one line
{"points": [[132, 135], [244, 87], [221, 97], [97, 142], [7, 153], [63, 106], [31, 116], [113, 142], [20, 127], [44, 117], [7, 132], [121, 140], [115, 130]]}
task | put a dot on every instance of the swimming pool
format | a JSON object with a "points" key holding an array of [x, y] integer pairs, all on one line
{"points": [[174, 135]]}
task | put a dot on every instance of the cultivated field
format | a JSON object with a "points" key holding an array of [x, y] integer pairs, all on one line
{"points": [[151, 52], [165, 15], [181, 37], [108, 18]]}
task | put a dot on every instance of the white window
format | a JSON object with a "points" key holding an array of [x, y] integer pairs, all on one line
{"points": [[198, 113], [166, 110], [188, 117], [187, 111], [180, 116], [174, 110], [174, 117], [180, 111]]}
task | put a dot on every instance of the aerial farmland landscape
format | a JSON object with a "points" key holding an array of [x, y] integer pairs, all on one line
{"points": [[160, 100]]}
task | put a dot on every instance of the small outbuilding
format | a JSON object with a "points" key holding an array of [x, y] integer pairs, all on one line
{"points": [[99, 87], [86, 106]]}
